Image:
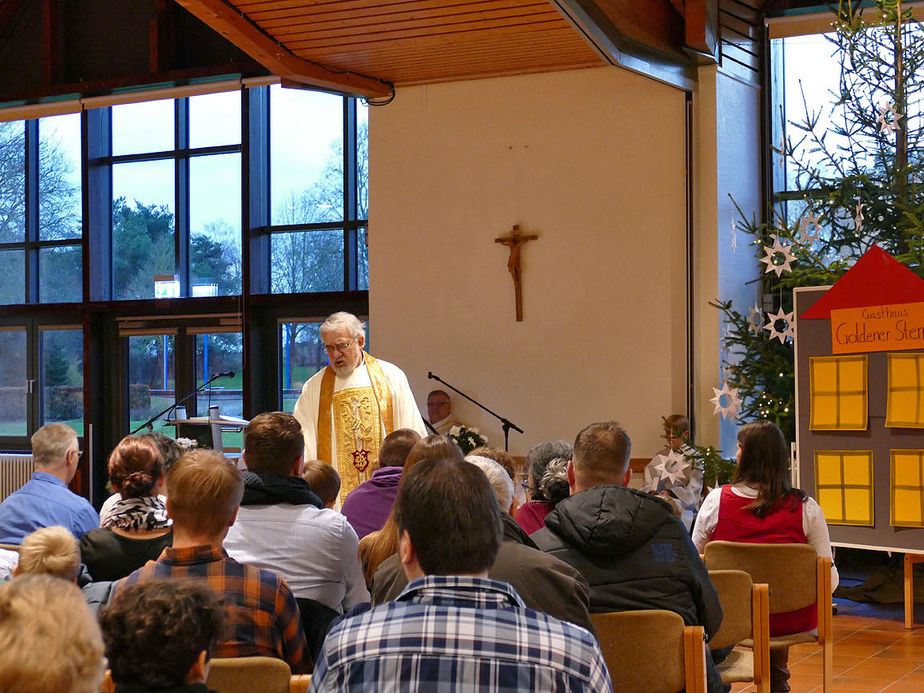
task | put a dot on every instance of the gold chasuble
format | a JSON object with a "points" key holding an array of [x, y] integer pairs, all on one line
{"points": [[358, 415]]}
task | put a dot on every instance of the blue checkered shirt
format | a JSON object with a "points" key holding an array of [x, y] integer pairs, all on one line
{"points": [[452, 633]]}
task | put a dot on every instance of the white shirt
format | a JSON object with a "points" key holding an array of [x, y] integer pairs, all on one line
{"points": [[315, 550], [813, 523]]}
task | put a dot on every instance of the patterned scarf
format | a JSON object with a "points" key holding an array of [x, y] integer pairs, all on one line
{"points": [[144, 513]]}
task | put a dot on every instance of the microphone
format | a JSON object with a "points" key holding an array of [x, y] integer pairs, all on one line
{"points": [[430, 375], [224, 374]]}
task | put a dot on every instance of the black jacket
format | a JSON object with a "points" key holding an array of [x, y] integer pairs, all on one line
{"points": [[634, 553]]}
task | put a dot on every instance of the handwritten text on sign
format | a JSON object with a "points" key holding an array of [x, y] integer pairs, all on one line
{"points": [[892, 327]]}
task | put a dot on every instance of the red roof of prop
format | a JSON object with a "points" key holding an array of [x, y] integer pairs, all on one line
{"points": [[877, 278]]}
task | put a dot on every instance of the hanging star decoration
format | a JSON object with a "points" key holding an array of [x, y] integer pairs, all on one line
{"points": [[729, 410], [772, 252], [672, 466], [858, 217], [755, 317], [886, 125], [734, 236], [772, 318], [807, 237]]}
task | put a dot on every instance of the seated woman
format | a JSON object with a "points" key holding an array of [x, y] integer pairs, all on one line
{"points": [[137, 528], [531, 515], [377, 546], [762, 507]]}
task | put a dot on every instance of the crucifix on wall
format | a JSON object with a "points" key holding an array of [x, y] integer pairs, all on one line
{"points": [[514, 241]]}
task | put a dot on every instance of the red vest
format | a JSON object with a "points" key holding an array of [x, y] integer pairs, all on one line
{"points": [[782, 525]]}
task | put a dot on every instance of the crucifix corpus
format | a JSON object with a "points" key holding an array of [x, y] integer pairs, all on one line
{"points": [[514, 241]]}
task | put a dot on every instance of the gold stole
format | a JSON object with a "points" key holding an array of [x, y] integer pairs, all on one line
{"points": [[352, 469]]}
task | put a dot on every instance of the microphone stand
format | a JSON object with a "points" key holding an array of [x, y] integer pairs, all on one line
{"points": [[147, 424], [505, 423]]}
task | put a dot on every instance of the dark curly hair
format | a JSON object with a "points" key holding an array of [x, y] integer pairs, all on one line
{"points": [[154, 631]]}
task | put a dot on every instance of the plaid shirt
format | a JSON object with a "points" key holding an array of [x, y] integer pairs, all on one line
{"points": [[453, 633], [261, 614]]}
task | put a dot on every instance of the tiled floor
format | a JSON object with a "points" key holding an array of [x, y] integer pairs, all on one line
{"points": [[872, 652]]}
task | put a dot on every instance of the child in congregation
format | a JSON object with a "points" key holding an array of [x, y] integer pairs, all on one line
{"points": [[761, 506], [159, 636], [323, 480], [49, 551], [679, 483]]}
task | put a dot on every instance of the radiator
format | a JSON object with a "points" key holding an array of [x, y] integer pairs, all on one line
{"points": [[15, 470]]}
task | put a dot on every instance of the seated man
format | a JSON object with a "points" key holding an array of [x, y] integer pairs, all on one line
{"points": [[263, 618], [453, 629], [49, 640], [369, 504], [633, 551], [281, 526], [49, 551], [543, 582], [439, 411], [45, 499], [159, 636]]}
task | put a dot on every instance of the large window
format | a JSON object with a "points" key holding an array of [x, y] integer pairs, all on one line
{"points": [[318, 193], [172, 199], [40, 211], [145, 247]]}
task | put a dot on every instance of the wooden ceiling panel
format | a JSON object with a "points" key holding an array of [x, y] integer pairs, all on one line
{"points": [[421, 41]]}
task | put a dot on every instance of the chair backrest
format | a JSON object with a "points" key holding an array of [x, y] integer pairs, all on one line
{"points": [[248, 675], [734, 588], [789, 569], [644, 650]]}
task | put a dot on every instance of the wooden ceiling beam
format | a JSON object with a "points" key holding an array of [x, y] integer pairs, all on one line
{"points": [[237, 29]]}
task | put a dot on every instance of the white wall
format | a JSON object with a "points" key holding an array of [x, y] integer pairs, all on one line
{"points": [[593, 162]]}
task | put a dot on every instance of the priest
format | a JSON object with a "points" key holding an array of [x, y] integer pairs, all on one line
{"points": [[346, 409]]}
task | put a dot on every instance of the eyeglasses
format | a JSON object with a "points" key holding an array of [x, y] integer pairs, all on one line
{"points": [[341, 347], [78, 451]]}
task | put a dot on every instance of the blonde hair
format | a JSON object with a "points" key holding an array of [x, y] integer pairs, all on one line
{"points": [[50, 444], [49, 640], [50, 551], [205, 490]]}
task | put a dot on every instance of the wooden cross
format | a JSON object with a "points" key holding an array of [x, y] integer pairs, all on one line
{"points": [[514, 241]]}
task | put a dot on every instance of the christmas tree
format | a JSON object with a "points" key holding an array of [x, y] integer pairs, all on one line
{"points": [[856, 178]]}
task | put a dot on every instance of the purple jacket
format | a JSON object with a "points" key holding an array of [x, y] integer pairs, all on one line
{"points": [[368, 505]]}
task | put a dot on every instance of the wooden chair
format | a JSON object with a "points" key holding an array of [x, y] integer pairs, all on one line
{"points": [[298, 683], [746, 619], [249, 674], [797, 578], [652, 651]]}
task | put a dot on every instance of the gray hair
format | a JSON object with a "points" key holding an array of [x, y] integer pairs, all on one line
{"points": [[50, 444], [343, 319], [539, 456], [498, 477]]}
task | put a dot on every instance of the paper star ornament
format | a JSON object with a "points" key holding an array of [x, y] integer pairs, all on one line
{"points": [[729, 410], [772, 318], [858, 216], [672, 466], [807, 237], [771, 252], [886, 124]]}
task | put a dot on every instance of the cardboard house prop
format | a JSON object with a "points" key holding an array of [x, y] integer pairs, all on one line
{"points": [[860, 403]]}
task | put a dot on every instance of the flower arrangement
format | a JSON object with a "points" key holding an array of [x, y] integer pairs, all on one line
{"points": [[187, 443], [467, 438]]}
